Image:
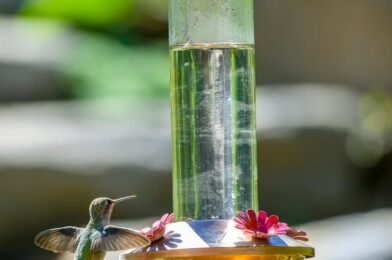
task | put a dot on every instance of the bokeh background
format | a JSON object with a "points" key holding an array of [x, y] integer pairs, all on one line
{"points": [[84, 112]]}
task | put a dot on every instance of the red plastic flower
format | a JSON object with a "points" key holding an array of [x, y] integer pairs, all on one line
{"points": [[262, 226], [158, 228]]}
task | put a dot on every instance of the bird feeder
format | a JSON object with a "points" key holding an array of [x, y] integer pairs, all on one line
{"points": [[214, 136]]}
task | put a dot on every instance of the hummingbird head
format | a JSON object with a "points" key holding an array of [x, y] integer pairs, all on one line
{"points": [[101, 209]]}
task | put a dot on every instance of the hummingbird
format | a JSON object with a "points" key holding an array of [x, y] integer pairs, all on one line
{"points": [[98, 237]]}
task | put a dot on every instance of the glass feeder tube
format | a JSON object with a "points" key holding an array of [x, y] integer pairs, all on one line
{"points": [[213, 108]]}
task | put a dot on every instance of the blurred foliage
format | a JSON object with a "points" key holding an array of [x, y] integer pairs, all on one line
{"points": [[370, 140], [102, 67], [375, 111], [85, 12], [150, 15], [115, 55]]}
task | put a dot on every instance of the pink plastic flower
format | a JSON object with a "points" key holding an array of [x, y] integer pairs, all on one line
{"points": [[158, 228], [262, 226]]}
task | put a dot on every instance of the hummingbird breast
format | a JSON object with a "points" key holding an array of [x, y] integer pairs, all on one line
{"points": [[83, 251]]}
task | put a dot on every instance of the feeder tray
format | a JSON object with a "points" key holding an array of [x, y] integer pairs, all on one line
{"points": [[218, 239]]}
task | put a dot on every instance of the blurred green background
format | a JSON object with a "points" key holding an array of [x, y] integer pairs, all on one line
{"points": [[84, 112]]}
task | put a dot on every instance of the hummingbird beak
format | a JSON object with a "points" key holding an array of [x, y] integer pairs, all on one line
{"points": [[124, 198]]}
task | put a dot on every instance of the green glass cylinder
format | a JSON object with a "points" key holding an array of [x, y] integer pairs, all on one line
{"points": [[213, 108]]}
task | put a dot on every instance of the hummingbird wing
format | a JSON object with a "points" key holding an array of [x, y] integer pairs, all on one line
{"points": [[116, 238], [64, 239]]}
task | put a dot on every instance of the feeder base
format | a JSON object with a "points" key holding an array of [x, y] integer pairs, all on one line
{"points": [[218, 240]]}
